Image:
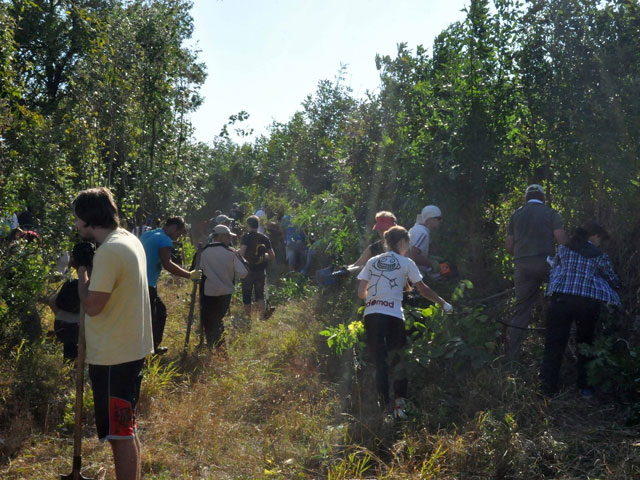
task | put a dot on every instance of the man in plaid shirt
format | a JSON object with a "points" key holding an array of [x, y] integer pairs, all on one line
{"points": [[581, 279]]}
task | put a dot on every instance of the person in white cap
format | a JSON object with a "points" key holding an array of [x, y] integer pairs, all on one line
{"points": [[222, 267], [532, 233], [427, 221]]}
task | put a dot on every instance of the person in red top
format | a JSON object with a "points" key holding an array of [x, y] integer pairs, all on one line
{"points": [[384, 221]]}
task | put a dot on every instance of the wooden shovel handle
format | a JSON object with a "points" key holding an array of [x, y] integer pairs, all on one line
{"points": [[77, 427]]}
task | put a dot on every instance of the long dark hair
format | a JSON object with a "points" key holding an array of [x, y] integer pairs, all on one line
{"points": [[395, 235], [581, 235]]}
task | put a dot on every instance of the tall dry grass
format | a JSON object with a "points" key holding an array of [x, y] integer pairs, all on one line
{"points": [[281, 406], [262, 411]]}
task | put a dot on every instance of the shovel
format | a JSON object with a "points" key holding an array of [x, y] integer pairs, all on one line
{"points": [[77, 427], [190, 318]]}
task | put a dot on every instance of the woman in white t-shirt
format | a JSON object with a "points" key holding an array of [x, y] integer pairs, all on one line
{"points": [[382, 282]]}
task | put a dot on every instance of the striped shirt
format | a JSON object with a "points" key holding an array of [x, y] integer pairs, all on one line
{"points": [[419, 237], [584, 276]]}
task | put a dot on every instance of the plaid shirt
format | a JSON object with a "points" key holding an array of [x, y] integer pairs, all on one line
{"points": [[575, 274]]}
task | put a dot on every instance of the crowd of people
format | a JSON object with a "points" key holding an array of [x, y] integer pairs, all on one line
{"points": [[117, 289]]}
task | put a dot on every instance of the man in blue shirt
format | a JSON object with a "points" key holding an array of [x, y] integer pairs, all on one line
{"points": [[157, 247]]}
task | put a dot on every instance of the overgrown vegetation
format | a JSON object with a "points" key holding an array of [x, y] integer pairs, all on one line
{"points": [[285, 406], [541, 91]]}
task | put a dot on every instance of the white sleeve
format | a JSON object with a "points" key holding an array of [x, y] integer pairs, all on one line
{"points": [[412, 271], [239, 267], [420, 241], [365, 273]]}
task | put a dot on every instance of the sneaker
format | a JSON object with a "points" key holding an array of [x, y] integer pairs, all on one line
{"points": [[398, 409], [587, 393], [161, 350]]}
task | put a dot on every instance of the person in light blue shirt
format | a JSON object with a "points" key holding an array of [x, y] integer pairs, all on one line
{"points": [[157, 247], [294, 240]]}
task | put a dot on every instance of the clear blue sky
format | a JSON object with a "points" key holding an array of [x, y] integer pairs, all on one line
{"points": [[266, 56]]}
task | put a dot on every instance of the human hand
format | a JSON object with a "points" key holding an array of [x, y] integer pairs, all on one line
{"points": [[195, 275]]}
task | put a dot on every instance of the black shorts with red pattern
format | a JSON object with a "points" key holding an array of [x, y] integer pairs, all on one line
{"points": [[116, 389]]}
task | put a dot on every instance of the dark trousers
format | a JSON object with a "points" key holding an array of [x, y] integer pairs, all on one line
{"points": [[158, 316], [563, 311], [385, 335], [67, 333], [212, 311], [253, 282], [528, 277]]}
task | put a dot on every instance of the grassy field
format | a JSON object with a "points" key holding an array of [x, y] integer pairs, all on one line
{"points": [[281, 405]]}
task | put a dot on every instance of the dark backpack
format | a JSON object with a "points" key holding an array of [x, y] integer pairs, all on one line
{"points": [[255, 253], [68, 299]]}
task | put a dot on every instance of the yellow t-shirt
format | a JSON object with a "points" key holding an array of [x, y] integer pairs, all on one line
{"points": [[121, 332]]}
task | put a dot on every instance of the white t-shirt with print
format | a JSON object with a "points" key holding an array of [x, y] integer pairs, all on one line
{"points": [[387, 275]]}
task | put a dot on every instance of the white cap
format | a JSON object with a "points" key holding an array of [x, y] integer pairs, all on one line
{"points": [[430, 211], [222, 229]]}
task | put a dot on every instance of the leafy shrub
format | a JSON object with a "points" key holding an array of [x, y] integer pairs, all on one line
{"points": [[468, 337], [23, 273], [293, 286], [615, 358], [36, 382], [341, 338]]}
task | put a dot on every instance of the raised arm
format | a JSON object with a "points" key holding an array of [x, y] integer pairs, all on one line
{"points": [[417, 256], [92, 302], [430, 294], [169, 265], [364, 258]]}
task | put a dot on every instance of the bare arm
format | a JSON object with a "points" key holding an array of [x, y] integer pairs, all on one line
{"points": [[271, 254], [509, 244], [561, 236], [240, 266], [92, 302], [429, 294], [364, 258], [243, 250], [362, 289], [415, 255], [169, 265]]}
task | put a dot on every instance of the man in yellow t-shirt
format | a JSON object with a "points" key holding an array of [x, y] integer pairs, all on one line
{"points": [[118, 324]]}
